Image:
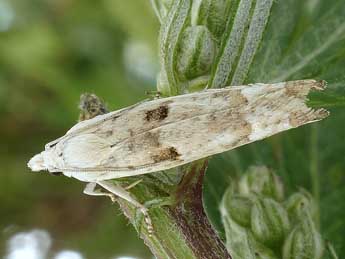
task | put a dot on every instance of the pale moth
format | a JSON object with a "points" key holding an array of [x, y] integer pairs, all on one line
{"points": [[169, 132]]}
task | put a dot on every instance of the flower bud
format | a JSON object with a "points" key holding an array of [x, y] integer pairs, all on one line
{"points": [[269, 222], [261, 252], [299, 204], [196, 53], [241, 244], [260, 180], [239, 208], [213, 14], [304, 242]]}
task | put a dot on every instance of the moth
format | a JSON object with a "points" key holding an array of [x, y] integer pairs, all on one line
{"points": [[165, 133]]}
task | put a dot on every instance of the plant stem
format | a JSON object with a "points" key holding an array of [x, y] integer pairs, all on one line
{"points": [[182, 230]]}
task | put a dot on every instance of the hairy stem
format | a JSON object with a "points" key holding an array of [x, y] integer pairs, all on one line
{"points": [[181, 230]]}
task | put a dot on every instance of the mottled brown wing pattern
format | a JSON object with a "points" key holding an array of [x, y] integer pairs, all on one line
{"points": [[165, 133]]}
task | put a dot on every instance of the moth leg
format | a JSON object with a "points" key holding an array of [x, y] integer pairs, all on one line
{"points": [[165, 201], [153, 94], [124, 194], [90, 189], [133, 184]]}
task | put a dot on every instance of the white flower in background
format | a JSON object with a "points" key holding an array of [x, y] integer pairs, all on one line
{"points": [[36, 245], [29, 245], [139, 60], [6, 16]]}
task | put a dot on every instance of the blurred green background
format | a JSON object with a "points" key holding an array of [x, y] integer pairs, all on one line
{"points": [[50, 53]]}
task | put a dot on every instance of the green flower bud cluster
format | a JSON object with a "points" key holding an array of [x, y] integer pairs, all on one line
{"points": [[207, 43], [190, 37], [260, 222]]}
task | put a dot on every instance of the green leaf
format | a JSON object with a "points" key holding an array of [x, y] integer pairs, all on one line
{"points": [[303, 39]]}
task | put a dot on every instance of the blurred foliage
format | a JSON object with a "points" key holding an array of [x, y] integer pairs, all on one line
{"points": [[51, 52]]}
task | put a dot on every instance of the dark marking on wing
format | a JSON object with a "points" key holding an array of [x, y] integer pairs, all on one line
{"points": [[146, 140], [235, 97], [151, 139], [293, 89], [53, 145], [169, 153], [131, 132], [220, 94], [114, 118], [109, 133], [157, 114]]}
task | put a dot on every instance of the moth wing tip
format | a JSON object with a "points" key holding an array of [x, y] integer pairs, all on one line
{"points": [[319, 85], [319, 115], [322, 113]]}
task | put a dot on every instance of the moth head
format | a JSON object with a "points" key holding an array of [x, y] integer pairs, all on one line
{"points": [[36, 163], [48, 160]]}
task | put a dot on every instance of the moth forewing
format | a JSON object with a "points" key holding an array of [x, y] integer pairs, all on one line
{"points": [[165, 133]]}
